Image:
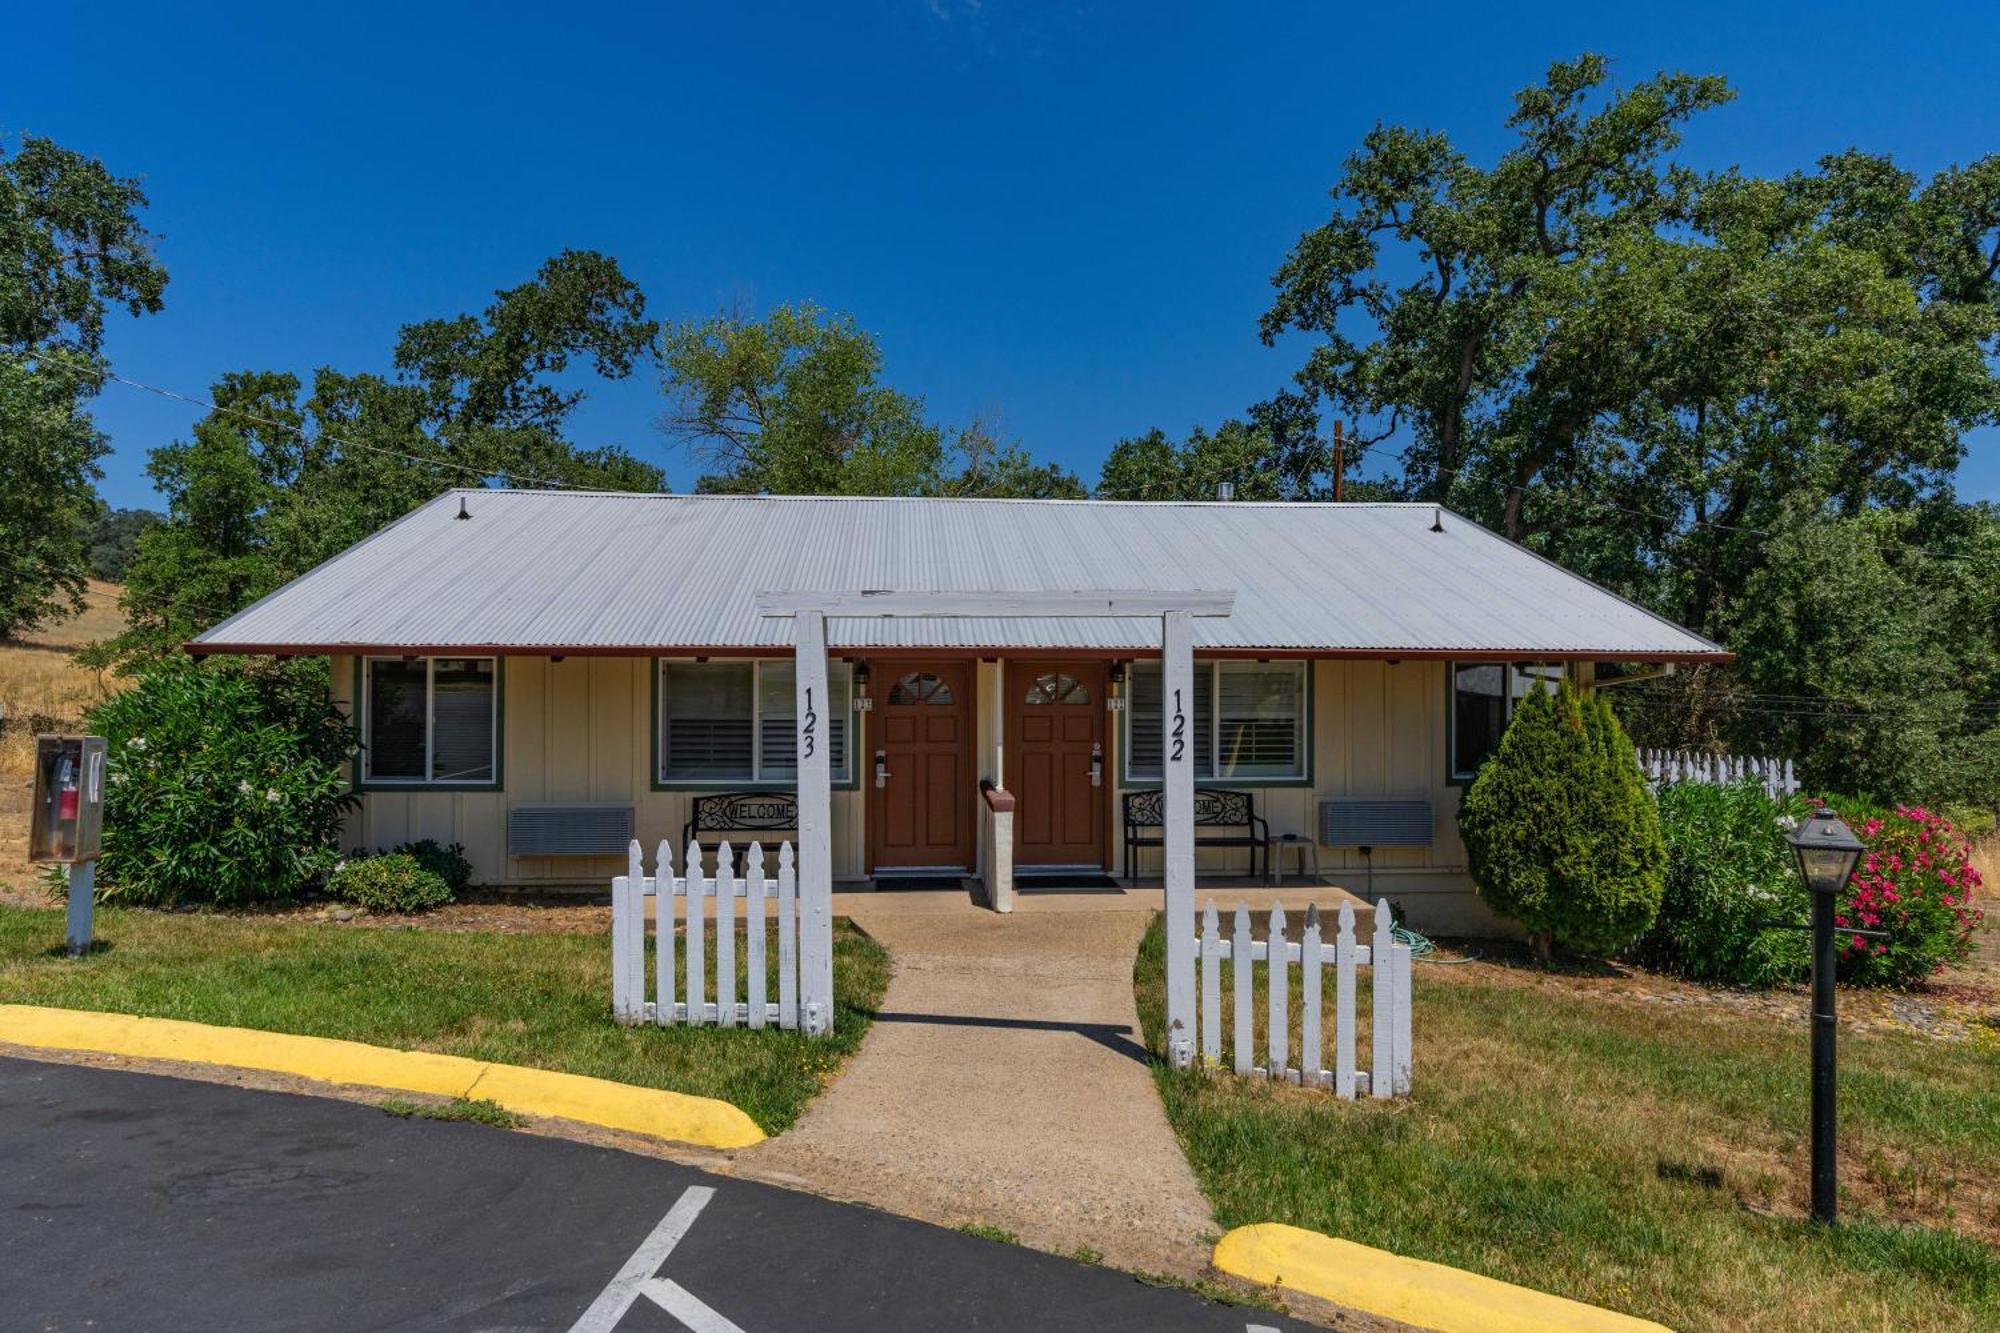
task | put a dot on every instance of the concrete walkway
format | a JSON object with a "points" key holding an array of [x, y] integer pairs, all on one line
{"points": [[1005, 1083]]}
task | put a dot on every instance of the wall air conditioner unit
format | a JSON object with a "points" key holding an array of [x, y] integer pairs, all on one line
{"points": [[569, 828]]}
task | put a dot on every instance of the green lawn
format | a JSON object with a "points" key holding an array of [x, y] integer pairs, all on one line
{"points": [[1635, 1155], [522, 998]]}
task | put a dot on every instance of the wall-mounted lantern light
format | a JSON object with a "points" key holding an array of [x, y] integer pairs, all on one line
{"points": [[862, 703], [1114, 692]]}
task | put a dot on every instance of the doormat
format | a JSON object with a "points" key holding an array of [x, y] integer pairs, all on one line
{"points": [[892, 883], [1079, 883]]}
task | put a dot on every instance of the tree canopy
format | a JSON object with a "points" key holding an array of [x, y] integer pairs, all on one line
{"points": [[1688, 386], [793, 404], [71, 248], [271, 482]]}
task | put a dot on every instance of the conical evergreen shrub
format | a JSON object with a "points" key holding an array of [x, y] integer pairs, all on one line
{"points": [[1560, 829]]}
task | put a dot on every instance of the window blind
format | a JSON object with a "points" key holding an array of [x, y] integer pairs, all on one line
{"points": [[462, 719]]}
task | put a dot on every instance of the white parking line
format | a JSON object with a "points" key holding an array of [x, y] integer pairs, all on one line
{"points": [[612, 1303], [685, 1306]]}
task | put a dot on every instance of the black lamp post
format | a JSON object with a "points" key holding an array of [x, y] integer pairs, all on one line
{"points": [[1826, 850]]}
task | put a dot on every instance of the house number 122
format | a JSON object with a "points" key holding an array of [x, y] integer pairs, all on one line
{"points": [[1180, 731]]}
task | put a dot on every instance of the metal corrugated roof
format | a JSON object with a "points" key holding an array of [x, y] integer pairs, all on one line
{"points": [[555, 570]]}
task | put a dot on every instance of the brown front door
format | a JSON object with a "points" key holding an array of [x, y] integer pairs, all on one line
{"points": [[1057, 767], [920, 813]]}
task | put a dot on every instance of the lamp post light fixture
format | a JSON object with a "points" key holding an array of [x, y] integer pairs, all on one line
{"points": [[1826, 850]]}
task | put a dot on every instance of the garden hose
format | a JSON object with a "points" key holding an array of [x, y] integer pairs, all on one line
{"points": [[1421, 948]]}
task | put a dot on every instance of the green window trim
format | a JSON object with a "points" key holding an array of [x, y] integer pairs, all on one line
{"points": [[850, 781], [361, 783], [1127, 781]]}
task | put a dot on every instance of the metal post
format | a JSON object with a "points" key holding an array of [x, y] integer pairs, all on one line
{"points": [[1177, 745], [1823, 1173], [82, 904]]}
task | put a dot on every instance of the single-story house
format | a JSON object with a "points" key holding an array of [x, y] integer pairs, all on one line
{"points": [[539, 675]]}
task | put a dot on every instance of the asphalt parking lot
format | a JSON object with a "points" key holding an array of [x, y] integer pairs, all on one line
{"points": [[132, 1201]]}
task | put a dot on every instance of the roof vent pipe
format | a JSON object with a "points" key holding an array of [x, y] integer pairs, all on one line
{"points": [[1225, 491], [463, 512], [1437, 518]]}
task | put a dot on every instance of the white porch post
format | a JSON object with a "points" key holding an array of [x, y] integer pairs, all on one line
{"points": [[1177, 744], [815, 864]]}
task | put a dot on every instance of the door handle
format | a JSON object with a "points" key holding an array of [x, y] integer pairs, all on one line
{"points": [[1097, 766], [881, 769]]}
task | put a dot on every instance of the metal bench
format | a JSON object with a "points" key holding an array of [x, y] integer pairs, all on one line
{"points": [[741, 812], [1213, 809]]}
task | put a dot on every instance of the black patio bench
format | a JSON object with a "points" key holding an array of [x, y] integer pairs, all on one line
{"points": [[1213, 809], [743, 812]]}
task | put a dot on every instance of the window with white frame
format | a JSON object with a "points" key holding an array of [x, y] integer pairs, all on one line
{"points": [[731, 721], [1483, 695], [430, 720], [1249, 721]]}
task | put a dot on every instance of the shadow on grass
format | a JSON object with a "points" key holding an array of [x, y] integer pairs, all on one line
{"points": [[62, 950]]}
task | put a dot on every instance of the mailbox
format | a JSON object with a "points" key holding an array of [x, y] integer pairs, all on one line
{"points": [[69, 799]]}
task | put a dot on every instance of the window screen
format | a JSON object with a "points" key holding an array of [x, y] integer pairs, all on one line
{"points": [[1483, 695], [1248, 721], [1259, 718], [707, 720], [735, 721], [430, 720], [462, 719], [396, 709]]}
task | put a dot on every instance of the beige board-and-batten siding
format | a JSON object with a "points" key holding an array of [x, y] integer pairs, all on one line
{"points": [[574, 730], [580, 730]]}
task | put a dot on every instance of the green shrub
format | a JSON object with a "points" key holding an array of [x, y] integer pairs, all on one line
{"points": [[1917, 882], [393, 882], [226, 782], [1728, 872], [447, 863], [1560, 830]]}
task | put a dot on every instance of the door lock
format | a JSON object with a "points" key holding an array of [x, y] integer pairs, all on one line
{"points": [[881, 768], [1097, 765]]}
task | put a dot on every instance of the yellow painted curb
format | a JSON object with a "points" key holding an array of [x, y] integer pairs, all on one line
{"points": [[704, 1121], [1427, 1295]]}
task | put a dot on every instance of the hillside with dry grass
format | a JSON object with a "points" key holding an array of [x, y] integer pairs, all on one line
{"points": [[43, 689]]}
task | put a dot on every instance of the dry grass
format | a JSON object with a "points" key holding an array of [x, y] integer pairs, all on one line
{"points": [[42, 686], [39, 678]]}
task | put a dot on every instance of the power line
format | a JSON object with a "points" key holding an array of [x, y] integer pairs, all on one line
{"points": [[1459, 474], [479, 474]]}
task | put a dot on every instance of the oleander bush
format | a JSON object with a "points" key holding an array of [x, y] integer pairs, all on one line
{"points": [[225, 782], [1728, 874]]}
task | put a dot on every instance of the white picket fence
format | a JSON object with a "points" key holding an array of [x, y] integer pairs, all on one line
{"points": [[1389, 1007], [727, 996], [1665, 767]]}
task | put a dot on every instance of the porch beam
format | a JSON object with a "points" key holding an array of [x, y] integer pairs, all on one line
{"points": [[888, 603]]}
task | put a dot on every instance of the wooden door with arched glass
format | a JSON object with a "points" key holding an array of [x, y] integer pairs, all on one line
{"points": [[1057, 765], [920, 775]]}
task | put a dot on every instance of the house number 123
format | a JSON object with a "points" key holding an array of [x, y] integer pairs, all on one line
{"points": [[807, 727]]}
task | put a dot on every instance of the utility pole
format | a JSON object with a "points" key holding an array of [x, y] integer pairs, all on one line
{"points": [[1339, 460]]}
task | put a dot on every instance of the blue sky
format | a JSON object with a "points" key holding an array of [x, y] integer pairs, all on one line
{"points": [[1061, 217]]}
